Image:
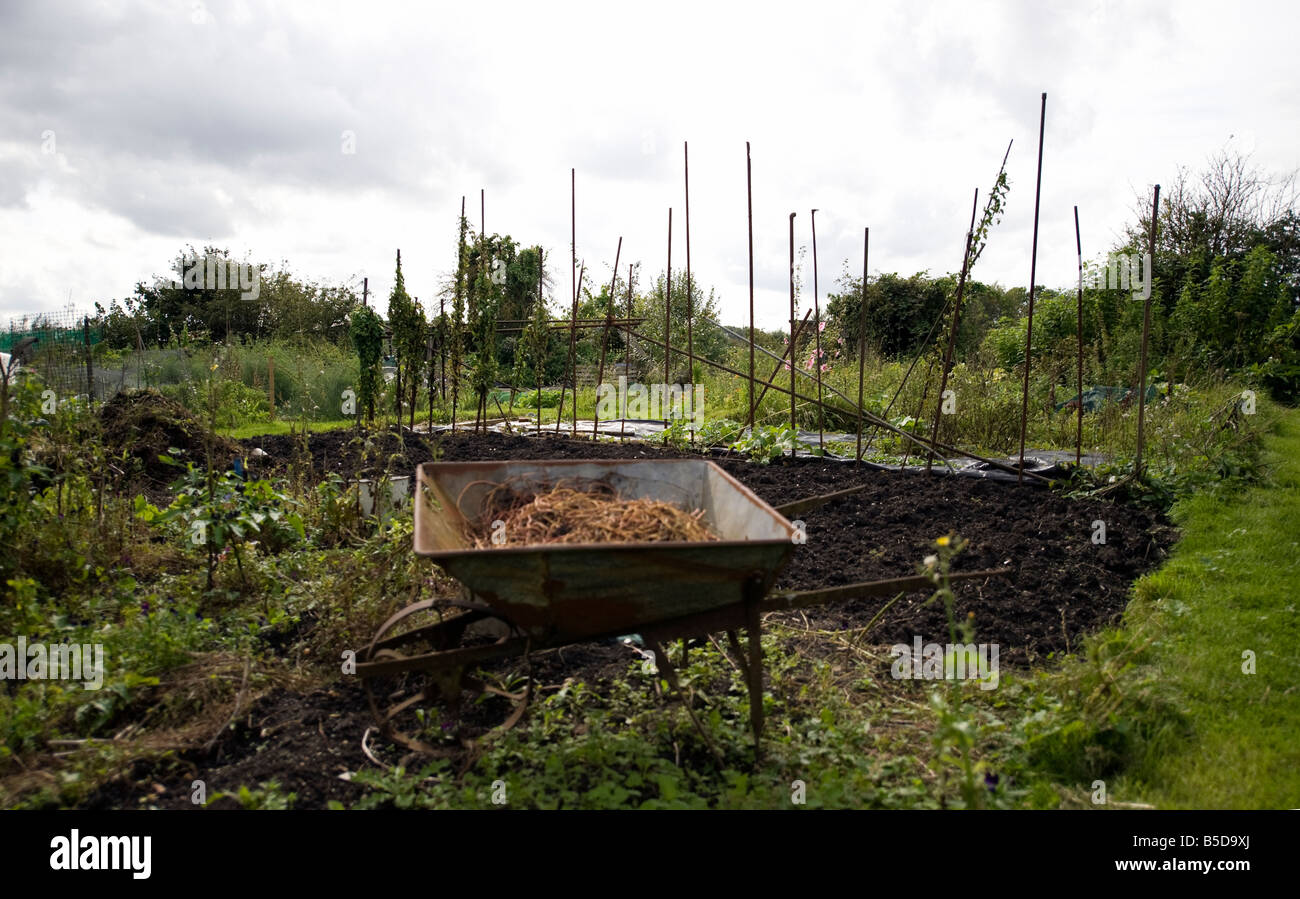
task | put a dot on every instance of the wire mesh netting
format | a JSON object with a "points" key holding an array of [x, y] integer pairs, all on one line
{"points": [[60, 348], [56, 345]]}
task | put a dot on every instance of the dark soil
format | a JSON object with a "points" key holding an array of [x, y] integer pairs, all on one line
{"points": [[1061, 587], [349, 456], [302, 741]]}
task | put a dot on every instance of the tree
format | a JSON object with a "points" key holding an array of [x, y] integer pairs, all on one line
{"points": [[1228, 257], [1221, 214], [198, 296], [901, 312], [1225, 211], [292, 308], [219, 307], [709, 339], [518, 295]]}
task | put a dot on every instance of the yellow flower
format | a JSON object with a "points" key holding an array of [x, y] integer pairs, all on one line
{"points": [[942, 541]]}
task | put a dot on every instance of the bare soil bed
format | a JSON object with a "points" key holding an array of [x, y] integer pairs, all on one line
{"points": [[1062, 587], [344, 453]]}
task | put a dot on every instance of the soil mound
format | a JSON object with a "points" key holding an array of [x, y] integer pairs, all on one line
{"points": [[146, 424]]}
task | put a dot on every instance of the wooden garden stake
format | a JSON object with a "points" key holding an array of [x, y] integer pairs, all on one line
{"points": [[1146, 334], [1033, 273]]}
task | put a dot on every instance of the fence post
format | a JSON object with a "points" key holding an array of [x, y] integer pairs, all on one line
{"points": [[90, 368]]}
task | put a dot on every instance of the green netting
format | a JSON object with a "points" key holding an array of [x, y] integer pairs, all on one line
{"points": [[1096, 397], [48, 328], [10, 339]]}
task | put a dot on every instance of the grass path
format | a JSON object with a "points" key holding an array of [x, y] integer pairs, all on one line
{"points": [[1231, 588], [281, 426]]}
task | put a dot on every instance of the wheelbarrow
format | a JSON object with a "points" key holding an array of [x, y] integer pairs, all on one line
{"points": [[522, 599]]}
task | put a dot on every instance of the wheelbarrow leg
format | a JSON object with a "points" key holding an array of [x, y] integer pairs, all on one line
{"points": [[754, 668], [665, 667], [741, 665]]}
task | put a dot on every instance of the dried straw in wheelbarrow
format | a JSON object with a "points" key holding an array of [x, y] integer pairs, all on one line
{"points": [[578, 510]]}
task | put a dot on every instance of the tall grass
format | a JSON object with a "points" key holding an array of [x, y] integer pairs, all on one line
{"points": [[310, 379]]}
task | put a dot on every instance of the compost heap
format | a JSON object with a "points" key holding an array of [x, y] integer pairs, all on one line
{"points": [[580, 510], [145, 425]]}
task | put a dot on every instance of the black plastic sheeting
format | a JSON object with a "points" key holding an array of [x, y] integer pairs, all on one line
{"points": [[1051, 464]]}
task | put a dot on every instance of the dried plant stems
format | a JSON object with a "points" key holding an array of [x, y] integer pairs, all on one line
{"points": [[579, 510]]}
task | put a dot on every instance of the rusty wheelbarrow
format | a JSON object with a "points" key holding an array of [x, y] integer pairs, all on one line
{"points": [[521, 599]]}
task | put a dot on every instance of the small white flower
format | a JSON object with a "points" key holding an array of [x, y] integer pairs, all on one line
{"points": [[931, 561]]}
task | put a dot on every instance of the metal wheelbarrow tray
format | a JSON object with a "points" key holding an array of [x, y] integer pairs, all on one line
{"points": [[569, 592], [552, 595]]}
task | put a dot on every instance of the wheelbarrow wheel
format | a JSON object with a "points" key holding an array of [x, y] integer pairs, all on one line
{"points": [[423, 679]]}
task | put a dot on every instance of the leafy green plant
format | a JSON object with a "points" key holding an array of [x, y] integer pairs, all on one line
{"points": [[237, 403], [677, 434], [368, 337], [268, 795], [956, 736], [229, 513], [406, 318], [956, 739], [549, 400], [1108, 711], [719, 432], [397, 787], [104, 705], [530, 358], [336, 511], [489, 257], [766, 444], [18, 472], [456, 334]]}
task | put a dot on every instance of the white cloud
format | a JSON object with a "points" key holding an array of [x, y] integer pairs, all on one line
{"points": [[231, 132]]}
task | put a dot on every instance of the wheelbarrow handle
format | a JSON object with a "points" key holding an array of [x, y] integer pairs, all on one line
{"points": [[803, 599]]}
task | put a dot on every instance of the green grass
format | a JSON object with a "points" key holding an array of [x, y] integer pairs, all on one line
{"points": [[259, 428], [1229, 588]]}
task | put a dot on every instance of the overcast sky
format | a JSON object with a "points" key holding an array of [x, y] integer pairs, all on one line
{"points": [[130, 130]]}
